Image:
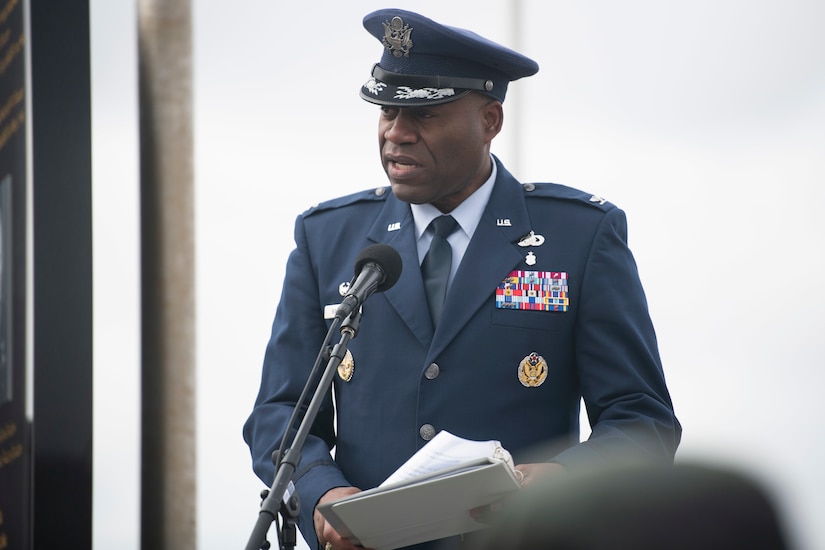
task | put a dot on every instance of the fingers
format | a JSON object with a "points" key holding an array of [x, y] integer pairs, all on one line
{"points": [[536, 471], [487, 514], [323, 530], [329, 537], [333, 541]]}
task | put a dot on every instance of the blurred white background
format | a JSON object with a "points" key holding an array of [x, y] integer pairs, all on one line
{"points": [[704, 121]]}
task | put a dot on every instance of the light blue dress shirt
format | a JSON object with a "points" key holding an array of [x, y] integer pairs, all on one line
{"points": [[467, 214]]}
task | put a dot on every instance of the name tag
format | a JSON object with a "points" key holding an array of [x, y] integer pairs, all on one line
{"points": [[329, 311]]}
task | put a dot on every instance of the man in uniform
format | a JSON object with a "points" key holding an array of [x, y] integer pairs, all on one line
{"points": [[543, 307]]}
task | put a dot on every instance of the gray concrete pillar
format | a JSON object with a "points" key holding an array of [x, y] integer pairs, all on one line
{"points": [[168, 473]]}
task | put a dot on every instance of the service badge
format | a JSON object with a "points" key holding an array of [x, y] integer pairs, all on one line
{"points": [[532, 371], [347, 367]]}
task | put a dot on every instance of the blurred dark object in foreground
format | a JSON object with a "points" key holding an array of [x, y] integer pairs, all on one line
{"points": [[642, 508]]}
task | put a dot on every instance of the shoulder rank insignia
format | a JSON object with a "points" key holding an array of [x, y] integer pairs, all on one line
{"points": [[347, 367], [532, 371]]}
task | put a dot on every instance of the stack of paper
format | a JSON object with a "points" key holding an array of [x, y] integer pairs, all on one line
{"points": [[429, 497]]}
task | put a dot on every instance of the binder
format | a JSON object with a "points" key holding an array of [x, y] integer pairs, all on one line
{"points": [[423, 508]]}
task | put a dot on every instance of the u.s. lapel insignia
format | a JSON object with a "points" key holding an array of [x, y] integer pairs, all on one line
{"points": [[347, 367], [343, 288], [530, 259], [532, 371], [532, 239]]}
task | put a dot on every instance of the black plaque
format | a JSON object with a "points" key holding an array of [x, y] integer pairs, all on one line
{"points": [[6, 378], [45, 410], [15, 440]]}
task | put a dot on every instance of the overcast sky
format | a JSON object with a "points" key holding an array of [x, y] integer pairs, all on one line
{"points": [[704, 121]]}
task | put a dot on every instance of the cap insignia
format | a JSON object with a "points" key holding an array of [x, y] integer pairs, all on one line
{"points": [[397, 37], [374, 86], [405, 92]]}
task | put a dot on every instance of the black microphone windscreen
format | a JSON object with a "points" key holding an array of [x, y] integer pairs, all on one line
{"points": [[387, 258]]}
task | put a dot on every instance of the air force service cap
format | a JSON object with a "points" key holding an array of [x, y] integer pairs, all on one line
{"points": [[427, 63]]}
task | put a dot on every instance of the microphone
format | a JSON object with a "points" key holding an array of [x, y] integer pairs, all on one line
{"points": [[377, 268]]}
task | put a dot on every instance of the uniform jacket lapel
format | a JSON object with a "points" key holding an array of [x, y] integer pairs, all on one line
{"points": [[406, 296], [492, 254]]}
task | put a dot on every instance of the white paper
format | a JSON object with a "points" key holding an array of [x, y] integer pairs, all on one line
{"points": [[443, 451]]}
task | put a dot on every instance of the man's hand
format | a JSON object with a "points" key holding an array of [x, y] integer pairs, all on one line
{"points": [[326, 534], [526, 474], [534, 472]]}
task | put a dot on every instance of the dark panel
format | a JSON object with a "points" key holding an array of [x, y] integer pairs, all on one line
{"points": [[15, 441], [61, 132]]}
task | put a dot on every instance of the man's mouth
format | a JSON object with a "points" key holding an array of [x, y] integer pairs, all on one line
{"points": [[402, 166]]}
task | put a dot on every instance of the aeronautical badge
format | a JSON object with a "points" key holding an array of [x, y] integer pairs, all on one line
{"points": [[347, 367], [397, 37], [531, 239], [532, 371]]}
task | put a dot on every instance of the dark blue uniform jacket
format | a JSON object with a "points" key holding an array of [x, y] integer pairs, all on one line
{"points": [[464, 377]]}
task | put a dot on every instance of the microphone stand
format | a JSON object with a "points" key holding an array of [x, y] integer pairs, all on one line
{"points": [[282, 497]]}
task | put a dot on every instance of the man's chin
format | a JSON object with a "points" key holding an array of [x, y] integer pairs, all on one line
{"points": [[406, 193]]}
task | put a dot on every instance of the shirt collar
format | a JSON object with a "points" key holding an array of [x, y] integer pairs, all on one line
{"points": [[467, 214]]}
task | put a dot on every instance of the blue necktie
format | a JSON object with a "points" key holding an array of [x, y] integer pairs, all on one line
{"points": [[435, 268]]}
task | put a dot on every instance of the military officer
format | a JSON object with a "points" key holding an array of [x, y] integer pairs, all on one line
{"points": [[543, 303]]}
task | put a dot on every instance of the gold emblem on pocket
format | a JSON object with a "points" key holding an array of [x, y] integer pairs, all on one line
{"points": [[532, 371], [347, 367]]}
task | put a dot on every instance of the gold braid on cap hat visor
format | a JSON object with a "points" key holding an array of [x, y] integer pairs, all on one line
{"points": [[435, 81]]}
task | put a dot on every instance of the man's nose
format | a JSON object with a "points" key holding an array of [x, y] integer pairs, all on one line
{"points": [[401, 129]]}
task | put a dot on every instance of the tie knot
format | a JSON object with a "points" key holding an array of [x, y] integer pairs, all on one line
{"points": [[444, 226]]}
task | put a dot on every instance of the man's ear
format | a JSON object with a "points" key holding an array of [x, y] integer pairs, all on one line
{"points": [[493, 114]]}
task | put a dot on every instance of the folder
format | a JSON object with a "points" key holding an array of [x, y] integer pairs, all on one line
{"points": [[424, 507]]}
